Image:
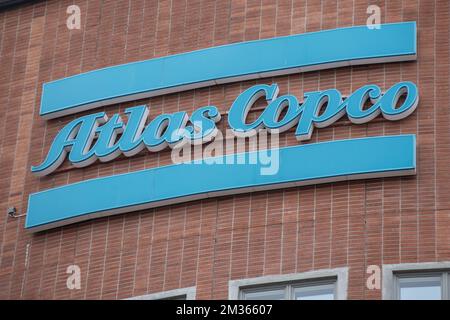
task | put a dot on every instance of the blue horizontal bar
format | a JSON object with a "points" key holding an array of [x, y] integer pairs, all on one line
{"points": [[228, 63], [298, 165]]}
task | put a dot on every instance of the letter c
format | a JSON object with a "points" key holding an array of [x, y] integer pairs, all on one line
{"points": [[242, 105]]}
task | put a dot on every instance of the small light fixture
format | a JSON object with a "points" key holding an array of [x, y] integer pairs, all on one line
{"points": [[12, 212]]}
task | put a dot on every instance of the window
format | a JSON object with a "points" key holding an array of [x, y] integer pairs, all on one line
{"points": [[304, 290], [177, 294], [422, 286], [264, 294], [417, 281], [180, 297], [325, 284], [317, 292]]}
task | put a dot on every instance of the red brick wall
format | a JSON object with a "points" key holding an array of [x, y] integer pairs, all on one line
{"points": [[206, 243]]}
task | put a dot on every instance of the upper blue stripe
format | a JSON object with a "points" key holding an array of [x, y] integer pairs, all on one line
{"points": [[302, 164], [253, 59]]}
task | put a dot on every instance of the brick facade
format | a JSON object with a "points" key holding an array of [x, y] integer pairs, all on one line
{"points": [[209, 242]]}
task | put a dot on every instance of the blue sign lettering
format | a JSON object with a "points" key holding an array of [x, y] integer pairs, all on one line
{"points": [[319, 109]]}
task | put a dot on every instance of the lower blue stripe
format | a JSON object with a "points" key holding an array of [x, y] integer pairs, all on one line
{"points": [[298, 165]]}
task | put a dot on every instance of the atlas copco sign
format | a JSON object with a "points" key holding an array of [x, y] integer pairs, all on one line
{"points": [[96, 137]]}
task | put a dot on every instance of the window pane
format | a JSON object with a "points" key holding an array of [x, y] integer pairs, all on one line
{"points": [[420, 288], [323, 292], [182, 297], [277, 294]]}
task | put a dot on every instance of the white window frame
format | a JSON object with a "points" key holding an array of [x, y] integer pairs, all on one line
{"points": [[310, 278], [392, 272], [189, 293]]}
